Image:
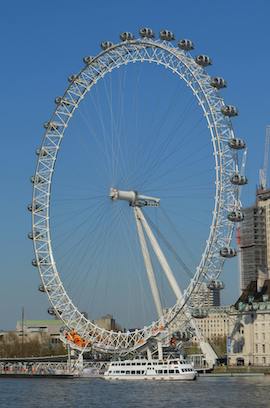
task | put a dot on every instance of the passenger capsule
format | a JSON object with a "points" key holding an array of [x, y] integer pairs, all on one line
{"points": [[147, 33], [40, 261], [105, 45], [41, 288], [42, 152], [218, 82], [166, 35], [236, 144], [37, 180], [186, 45], [51, 311], [203, 60], [37, 207], [71, 78], [78, 80], [37, 235], [34, 262], [238, 180], [61, 101], [215, 284], [30, 235], [199, 313], [87, 60], [229, 110], [228, 252], [126, 36], [235, 216], [52, 126]]}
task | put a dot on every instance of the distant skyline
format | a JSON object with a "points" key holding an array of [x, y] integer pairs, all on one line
{"points": [[44, 42]]}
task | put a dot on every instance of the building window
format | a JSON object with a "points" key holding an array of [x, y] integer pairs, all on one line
{"points": [[263, 348]]}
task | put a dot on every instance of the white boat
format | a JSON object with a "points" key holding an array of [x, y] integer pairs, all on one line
{"points": [[143, 369]]}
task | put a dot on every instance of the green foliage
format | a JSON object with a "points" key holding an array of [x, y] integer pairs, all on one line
{"points": [[15, 345]]}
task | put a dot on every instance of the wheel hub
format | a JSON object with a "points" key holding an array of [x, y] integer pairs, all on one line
{"points": [[134, 198]]}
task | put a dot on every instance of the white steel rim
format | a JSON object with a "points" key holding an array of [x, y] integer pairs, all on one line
{"points": [[226, 196]]}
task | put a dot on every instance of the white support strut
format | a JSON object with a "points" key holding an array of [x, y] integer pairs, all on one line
{"points": [[148, 264], [161, 257]]}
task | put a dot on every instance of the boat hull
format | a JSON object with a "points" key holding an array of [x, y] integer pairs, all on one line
{"points": [[179, 377]]}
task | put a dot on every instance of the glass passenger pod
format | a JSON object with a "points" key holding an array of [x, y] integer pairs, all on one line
{"points": [[40, 260], [214, 284], [61, 101], [146, 32], [238, 180], [199, 313], [76, 79], [203, 60], [229, 110], [186, 45], [227, 252], [37, 180], [166, 35], [52, 311], [37, 235], [52, 126], [105, 45], [88, 59], [126, 36], [35, 207], [235, 216], [218, 82], [42, 152], [236, 144], [42, 289]]}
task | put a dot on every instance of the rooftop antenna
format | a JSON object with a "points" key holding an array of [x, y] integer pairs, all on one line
{"points": [[263, 171]]}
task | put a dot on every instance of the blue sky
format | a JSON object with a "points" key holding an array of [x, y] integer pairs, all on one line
{"points": [[44, 42]]}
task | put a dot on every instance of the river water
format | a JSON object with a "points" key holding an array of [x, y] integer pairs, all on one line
{"points": [[207, 392]]}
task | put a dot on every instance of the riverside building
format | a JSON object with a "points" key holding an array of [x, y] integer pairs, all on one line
{"points": [[215, 325], [254, 240], [249, 340]]}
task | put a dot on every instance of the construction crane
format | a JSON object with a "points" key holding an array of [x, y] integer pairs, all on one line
{"points": [[263, 171]]}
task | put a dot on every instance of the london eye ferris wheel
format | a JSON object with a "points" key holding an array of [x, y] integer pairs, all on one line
{"points": [[136, 191]]}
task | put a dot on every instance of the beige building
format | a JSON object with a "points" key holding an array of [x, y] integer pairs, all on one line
{"points": [[40, 328], [216, 324], [250, 334]]}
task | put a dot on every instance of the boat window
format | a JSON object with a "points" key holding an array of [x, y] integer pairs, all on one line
{"points": [[171, 371], [132, 372], [133, 364], [148, 363], [177, 371], [159, 371], [127, 372], [165, 371], [143, 363], [122, 372]]}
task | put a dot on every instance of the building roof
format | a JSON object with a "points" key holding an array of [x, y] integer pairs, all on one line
{"points": [[49, 322], [252, 291]]}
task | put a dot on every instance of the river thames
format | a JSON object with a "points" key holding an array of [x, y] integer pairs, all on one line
{"points": [[210, 392]]}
